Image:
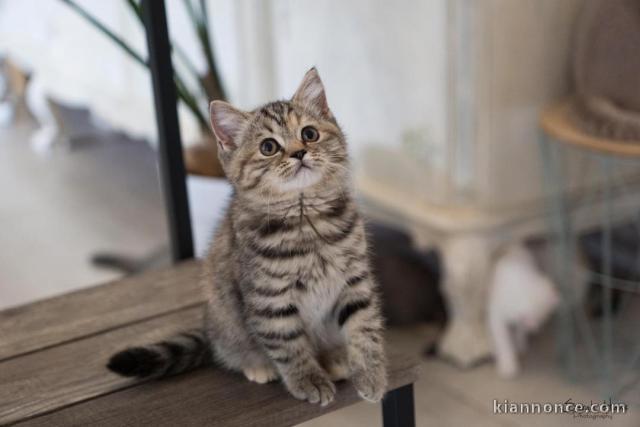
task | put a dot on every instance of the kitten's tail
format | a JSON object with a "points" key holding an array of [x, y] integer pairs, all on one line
{"points": [[177, 354]]}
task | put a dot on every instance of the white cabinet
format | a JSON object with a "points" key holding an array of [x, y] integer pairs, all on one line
{"points": [[480, 184]]}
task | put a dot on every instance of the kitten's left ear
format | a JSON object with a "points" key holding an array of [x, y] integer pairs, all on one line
{"points": [[226, 122], [310, 94]]}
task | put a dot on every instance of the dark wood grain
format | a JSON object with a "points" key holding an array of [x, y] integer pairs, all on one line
{"points": [[66, 375], [58, 376], [209, 397], [53, 321], [55, 351]]}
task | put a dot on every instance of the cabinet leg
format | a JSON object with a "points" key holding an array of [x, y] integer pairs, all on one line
{"points": [[467, 268]]}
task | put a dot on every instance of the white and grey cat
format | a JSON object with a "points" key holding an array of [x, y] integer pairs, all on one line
{"points": [[520, 300], [289, 289]]}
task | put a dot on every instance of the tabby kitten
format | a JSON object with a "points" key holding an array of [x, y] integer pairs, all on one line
{"points": [[289, 290]]}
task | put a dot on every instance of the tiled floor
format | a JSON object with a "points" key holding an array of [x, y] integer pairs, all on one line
{"points": [[56, 211], [447, 396]]}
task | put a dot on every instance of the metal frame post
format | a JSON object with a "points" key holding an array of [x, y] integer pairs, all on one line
{"points": [[397, 408], [171, 165]]}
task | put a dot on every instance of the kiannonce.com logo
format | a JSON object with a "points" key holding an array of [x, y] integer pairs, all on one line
{"points": [[603, 409]]}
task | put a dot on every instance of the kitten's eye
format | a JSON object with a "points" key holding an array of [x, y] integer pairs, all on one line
{"points": [[310, 134], [269, 147]]}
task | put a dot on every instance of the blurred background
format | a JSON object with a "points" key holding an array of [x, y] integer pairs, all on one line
{"points": [[495, 147]]}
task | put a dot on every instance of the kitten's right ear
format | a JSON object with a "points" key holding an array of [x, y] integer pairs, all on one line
{"points": [[311, 94], [226, 122]]}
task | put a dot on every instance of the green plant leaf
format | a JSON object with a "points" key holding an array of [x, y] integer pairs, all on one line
{"points": [[183, 93], [106, 31]]}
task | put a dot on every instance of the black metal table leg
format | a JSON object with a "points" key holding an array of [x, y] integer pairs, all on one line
{"points": [[397, 408], [171, 165]]}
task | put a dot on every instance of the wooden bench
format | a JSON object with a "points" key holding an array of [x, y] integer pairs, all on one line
{"points": [[53, 355]]}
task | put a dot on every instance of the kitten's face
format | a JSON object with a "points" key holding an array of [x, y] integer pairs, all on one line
{"points": [[283, 147]]}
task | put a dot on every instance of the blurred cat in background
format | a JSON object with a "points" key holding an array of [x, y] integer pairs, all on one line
{"points": [[521, 298]]}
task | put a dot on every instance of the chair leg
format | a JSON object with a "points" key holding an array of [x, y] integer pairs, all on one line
{"points": [[170, 162], [397, 408]]}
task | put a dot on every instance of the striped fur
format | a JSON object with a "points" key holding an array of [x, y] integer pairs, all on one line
{"points": [[287, 279], [178, 354]]}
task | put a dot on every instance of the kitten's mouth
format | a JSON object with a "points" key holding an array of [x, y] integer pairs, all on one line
{"points": [[303, 177], [301, 166]]}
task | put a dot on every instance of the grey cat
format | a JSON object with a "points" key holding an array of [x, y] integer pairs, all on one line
{"points": [[289, 290], [606, 69]]}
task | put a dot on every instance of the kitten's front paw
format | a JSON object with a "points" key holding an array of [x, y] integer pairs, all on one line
{"points": [[371, 383], [260, 374], [313, 386]]}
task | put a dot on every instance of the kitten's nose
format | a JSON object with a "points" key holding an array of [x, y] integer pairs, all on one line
{"points": [[299, 154]]}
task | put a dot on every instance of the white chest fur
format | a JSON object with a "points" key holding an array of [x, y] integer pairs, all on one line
{"points": [[315, 305]]}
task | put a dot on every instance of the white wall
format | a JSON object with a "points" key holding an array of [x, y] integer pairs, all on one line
{"points": [[526, 51], [438, 96], [384, 63]]}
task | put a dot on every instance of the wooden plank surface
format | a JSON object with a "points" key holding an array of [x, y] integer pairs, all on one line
{"points": [[209, 397], [56, 320], [59, 378], [54, 354], [45, 380]]}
